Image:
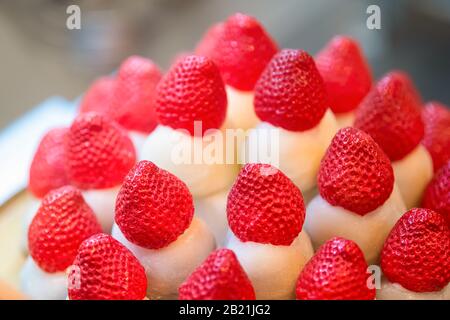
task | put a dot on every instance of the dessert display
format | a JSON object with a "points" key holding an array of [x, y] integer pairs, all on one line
{"points": [[291, 98], [358, 198], [416, 258], [266, 212], [241, 49], [146, 195], [390, 114], [346, 75]]}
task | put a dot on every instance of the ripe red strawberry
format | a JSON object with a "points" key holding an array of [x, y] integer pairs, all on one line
{"points": [[345, 72], [192, 90], [135, 95], [390, 113], [437, 194], [265, 206], [62, 222], [47, 170], [416, 254], [436, 118], [337, 271], [98, 152], [106, 270], [355, 173], [153, 206], [241, 48], [99, 96], [290, 92], [219, 277]]}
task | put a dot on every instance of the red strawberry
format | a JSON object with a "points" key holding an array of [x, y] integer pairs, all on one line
{"points": [[99, 96], [390, 113], [290, 92], [436, 118], [99, 153], [47, 170], [153, 207], [106, 270], [192, 90], [345, 72], [337, 271], [416, 254], [437, 194], [135, 95], [241, 48], [220, 277], [355, 173], [62, 222], [265, 206]]}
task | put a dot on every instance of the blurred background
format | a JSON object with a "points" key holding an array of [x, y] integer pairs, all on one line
{"points": [[40, 57]]}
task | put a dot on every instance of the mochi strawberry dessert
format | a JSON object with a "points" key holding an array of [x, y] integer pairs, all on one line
{"points": [[219, 277], [437, 194], [241, 48], [47, 172], [98, 155], [128, 98], [436, 119], [416, 258], [62, 222], [337, 271], [390, 114], [291, 100], [358, 198], [346, 75], [190, 141], [155, 220], [266, 213], [105, 270]]}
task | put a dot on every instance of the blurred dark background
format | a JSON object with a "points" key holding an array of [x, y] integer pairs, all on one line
{"points": [[40, 57]]}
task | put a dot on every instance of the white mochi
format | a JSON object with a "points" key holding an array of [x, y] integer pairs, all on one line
{"points": [[395, 291], [273, 270], [346, 119], [168, 267], [103, 203], [241, 112]]}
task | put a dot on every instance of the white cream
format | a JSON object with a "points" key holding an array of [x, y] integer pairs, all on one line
{"points": [[138, 139], [346, 119], [324, 221], [273, 270], [241, 112], [26, 221], [168, 267], [40, 285], [213, 211], [175, 152], [299, 153], [103, 203], [412, 174], [395, 291]]}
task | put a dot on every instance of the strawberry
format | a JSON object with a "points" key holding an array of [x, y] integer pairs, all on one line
{"points": [[153, 206], [345, 72], [98, 152], [355, 173], [416, 253], [390, 113], [436, 118], [241, 48], [63, 221], [290, 92], [99, 96], [337, 271], [437, 194], [192, 90], [105, 270], [219, 277], [47, 170], [265, 206], [135, 95]]}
